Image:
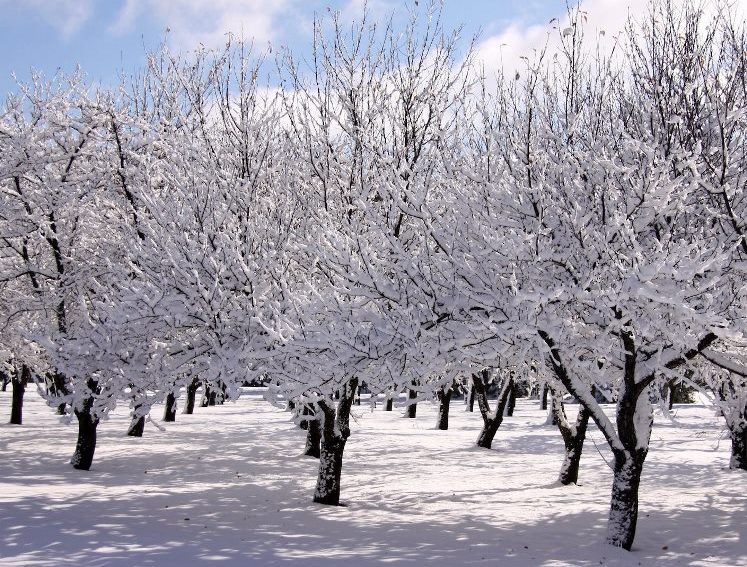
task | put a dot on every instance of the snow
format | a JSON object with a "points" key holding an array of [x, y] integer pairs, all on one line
{"points": [[414, 495]]}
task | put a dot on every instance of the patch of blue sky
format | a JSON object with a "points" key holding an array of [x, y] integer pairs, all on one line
{"points": [[110, 37]]}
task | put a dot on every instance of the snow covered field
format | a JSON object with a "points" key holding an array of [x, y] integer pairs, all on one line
{"points": [[227, 486]]}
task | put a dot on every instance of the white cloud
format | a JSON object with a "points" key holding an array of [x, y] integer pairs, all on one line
{"points": [[516, 41], [66, 16], [605, 20], [206, 22]]}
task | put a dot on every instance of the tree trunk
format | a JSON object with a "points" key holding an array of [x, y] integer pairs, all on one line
{"points": [[511, 403], [304, 423], [624, 502], [444, 402], [137, 426], [59, 388], [189, 405], [207, 395], [543, 397], [491, 420], [19, 381], [630, 442], [389, 406], [330, 471], [87, 424], [169, 412], [313, 438], [335, 432], [739, 448], [219, 394], [412, 407], [573, 439], [471, 399]]}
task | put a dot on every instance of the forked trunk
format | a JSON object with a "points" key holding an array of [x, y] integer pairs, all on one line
{"points": [[169, 412], [335, 427], [189, 405], [488, 431], [444, 402], [573, 439], [491, 419], [19, 381], [624, 502]]}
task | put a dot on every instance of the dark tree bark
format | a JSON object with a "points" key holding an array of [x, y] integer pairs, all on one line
{"points": [[221, 393], [137, 426], [87, 424], [412, 407], [335, 426], [19, 381], [444, 403], [389, 405], [58, 387], [630, 442], [491, 419], [738, 447], [169, 411], [304, 423], [511, 403], [736, 421], [471, 399], [313, 437], [208, 396], [189, 405], [5, 379], [624, 502], [574, 436], [552, 419], [543, 397]]}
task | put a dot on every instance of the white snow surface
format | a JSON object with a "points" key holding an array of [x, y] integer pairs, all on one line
{"points": [[228, 486]]}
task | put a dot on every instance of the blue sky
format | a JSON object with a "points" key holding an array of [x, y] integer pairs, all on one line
{"points": [[105, 36], [109, 36]]}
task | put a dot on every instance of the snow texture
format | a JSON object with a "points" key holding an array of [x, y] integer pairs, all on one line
{"points": [[227, 486]]}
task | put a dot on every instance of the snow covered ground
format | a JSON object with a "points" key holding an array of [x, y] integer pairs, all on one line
{"points": [[227, 486]]}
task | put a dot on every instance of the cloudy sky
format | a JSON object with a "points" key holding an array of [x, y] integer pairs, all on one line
{"points": [[109, 36]]}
